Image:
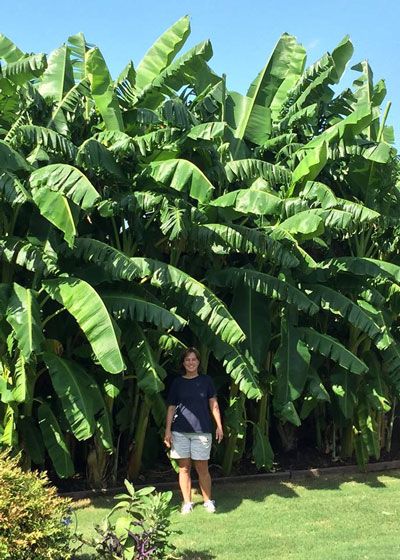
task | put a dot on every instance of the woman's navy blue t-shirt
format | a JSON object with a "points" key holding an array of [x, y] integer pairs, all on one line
{"points": [[190, 396]]}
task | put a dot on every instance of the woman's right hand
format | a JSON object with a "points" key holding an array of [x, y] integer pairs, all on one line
{"points": [[168, 438]]}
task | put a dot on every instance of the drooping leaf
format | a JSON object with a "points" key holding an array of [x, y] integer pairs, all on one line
{"points": [[8, 50], [93, 156], [32, 439], [132, 305], [291, 361], [84, 303], [149, 372], [72, 385], [23, 314], [250, 169], [262, 450], [32, 136], [12, 189], [332, 300], [181, 175], [250, 201], [193, 295], [25, 68], [67, 180], [20, 391], [331, 348], [10, 160], [265, 284], [55, 442], [55, 208]]}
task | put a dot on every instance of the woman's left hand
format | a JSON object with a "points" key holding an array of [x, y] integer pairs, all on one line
{"points": [[219, 434]]}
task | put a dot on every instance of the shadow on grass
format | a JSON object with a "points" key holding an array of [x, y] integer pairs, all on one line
{"points": [[195, 555], [183, 555], [229, 496]]}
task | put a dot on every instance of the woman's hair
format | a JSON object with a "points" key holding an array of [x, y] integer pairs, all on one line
{"points": [[186, 352]]}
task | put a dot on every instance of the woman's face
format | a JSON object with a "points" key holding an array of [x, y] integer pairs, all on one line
{"points": [[191, 363]]}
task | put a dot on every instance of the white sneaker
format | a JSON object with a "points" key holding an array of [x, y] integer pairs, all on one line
{"points": [[186, 508], [209, 505]]}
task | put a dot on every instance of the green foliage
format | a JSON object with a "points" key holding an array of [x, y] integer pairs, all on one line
{"points": [[159, 210], [34, 521], [138, 527]]}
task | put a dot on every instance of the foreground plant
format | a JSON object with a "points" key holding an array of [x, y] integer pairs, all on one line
{"points": [[34, 521], [137, 528]]}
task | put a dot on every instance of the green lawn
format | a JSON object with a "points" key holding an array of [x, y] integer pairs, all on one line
{"points": [[352, 518]]}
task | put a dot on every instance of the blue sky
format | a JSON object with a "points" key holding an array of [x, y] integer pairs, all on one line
{"points": [[242, 33]]}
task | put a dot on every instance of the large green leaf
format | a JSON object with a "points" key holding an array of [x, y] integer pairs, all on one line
{"points": [[20, 391], [265, 284], [192, 294], [55, 208], [331, 348], [12, 189], [262, 450], [251, 116], [252, 311], [149, 372], [241, 368], [25, 69], [102, 88], [94, 156], [344, 387], [58, 77], [311, 164], [285, 64], [32, 136], [10, 160], [55, 442], [247, 170], [332, 300], [67, 105], [248, 120], [221, 238], [23, 314], [32, 438], [189, 69], [207, 131], [84, 303], [292, 361], [250, 201], [181, 175], [131, 305], [67, 180], [79, 54], [162, 53], [73, 387], [9, 51], [37, 259], [305, 225]]}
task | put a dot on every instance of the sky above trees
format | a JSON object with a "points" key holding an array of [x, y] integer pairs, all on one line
{"points": [[242, 34]]}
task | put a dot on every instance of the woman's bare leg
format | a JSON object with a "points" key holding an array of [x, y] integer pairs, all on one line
{"points": [[204, 479], [185, 482]]}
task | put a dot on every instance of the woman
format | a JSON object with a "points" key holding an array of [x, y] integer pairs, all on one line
{"points": [[188, 427]]}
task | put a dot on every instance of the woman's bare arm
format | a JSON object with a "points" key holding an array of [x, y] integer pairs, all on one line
{"points": [[213, 403], [168, 423]]}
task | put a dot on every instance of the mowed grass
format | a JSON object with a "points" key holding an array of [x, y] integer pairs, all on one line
{"points": [[329, 518]]}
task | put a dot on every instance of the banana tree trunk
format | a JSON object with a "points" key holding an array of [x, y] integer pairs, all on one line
{"points": [[231, 445], [135, 459]]}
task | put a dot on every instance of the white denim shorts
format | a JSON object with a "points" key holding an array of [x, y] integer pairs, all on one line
{"points": [[196, 446]]}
